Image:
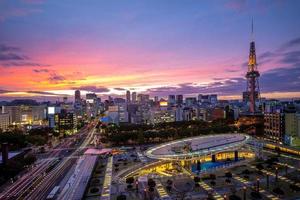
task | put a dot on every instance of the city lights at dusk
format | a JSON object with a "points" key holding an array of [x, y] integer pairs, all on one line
{"points": [[149, 99], [51, 48]]}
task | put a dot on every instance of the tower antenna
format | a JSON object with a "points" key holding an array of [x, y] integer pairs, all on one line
{"points": [[252, 31]]}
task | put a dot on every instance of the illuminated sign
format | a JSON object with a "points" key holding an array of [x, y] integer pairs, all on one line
{"points": [[163, 103], [51, 110], [90, 100]]}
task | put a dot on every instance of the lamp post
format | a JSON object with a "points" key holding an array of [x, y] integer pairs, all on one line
{"points": [[276, 173], [145, 193], [245, 192], [257, 182], [137, 185], [268, 181]]}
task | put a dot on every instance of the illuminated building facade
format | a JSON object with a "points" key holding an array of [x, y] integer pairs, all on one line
{"points": [[4, 120], [65, 123], [26, 114], [274, 126]]}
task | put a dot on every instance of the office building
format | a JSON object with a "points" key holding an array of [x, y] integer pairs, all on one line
{"points": [[26, 114], [179, 99], [274, 126], [77, 96], [4, 120], [143, 98], [65, 123], [134, 97], [128, 96], [291, 126], [162, 116], [190, 101], [171, 100]]}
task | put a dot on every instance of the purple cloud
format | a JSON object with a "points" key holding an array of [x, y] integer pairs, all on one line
{"points": [[91, 88], [56, 78]]}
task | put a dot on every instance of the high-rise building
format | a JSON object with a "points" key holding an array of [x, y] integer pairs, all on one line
{"points": [[190, 101], [274, 126], [128, 96], [213, 98], [179, 99], [77, 96], [162, 116], [133, 97], [91, 104], [291, 125], [171, 99], [91, 97], [143, 98], [65, 123], [252, 76], [4, 120], [26, 114]]}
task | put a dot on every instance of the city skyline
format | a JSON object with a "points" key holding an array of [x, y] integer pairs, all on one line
{"points": [[48, 50]]}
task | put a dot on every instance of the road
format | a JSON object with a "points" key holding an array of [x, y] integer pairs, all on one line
{"points": [[41, 178]]}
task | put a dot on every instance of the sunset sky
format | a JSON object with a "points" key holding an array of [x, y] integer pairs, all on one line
{"points": [[49, 48]]}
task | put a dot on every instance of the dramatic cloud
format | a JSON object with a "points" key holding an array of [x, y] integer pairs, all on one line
{"points": [[281, 80], [92, 89], [4, 91], [120, 89], [11, 56], [290, 44], [40, 70], [44, 93], [5, 48], [24, 64], [224, 87], [276, 80], [56, 78], [291, 57]]}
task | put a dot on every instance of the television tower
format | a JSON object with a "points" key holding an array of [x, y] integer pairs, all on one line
{"points": [[252, 76]]}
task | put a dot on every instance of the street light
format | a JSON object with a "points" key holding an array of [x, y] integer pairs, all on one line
{"points": [[257, 184], [268, 181], [276, 172], [245, 192], [145, 190]]}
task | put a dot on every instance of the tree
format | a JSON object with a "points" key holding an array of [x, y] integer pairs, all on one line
{"points": [[169, 182], [212, 176], [29, 159], [151, 183], [278, 191], [228, 175], [129, 180], [121, 197], [197, 179]]}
